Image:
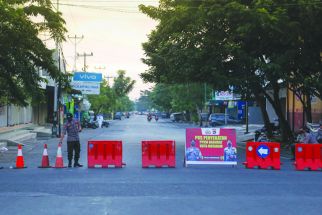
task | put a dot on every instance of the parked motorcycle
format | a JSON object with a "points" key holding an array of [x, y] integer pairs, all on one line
{"points": [[261, 134], [89, 124], [310, 128], [149, 118], [105, 124]]}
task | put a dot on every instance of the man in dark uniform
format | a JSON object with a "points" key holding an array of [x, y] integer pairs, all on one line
{"points": [[72, 127]]}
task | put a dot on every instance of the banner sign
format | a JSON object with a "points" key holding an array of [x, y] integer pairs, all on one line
{"points": [[223, 95], [88, 88], [87, 76], [211, 146]]}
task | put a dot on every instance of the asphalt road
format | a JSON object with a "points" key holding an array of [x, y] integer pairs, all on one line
{"points": [[133, 190]]}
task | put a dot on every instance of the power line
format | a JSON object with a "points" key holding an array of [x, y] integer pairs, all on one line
{"points": [[75, 45], [121, 7]]}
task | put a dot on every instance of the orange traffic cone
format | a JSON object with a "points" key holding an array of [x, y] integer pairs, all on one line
{"points": [[59, 158], [45, 159], [20, 161]]}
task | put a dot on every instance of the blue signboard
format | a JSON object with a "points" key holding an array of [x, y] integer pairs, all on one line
{"points": [[262, 151], [87, 76]]}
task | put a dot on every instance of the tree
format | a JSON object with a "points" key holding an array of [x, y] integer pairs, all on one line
{"points": [[122, 84], [188, 98], [105, 101], [22, 53], [144, 103], [113, 98], [256, 46]]}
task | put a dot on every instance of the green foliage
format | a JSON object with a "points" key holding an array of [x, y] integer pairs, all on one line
{"points": [[178, 98], [113, 98], [144, 103], [252, 45], [22, 53], [122, 84], [105, 101]]}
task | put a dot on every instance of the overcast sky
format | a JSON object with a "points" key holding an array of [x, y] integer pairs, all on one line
{"points": [[113, 31]]}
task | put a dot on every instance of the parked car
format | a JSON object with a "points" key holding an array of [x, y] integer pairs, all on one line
{"points": [[118, 115], [203, 118], [176, 117], [216, 119], [164, 115]]}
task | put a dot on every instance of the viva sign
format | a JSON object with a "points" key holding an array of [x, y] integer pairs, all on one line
{"points": [[87, 77]]}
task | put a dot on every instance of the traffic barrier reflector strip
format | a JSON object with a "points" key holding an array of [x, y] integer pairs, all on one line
{"points": [[263, 155], [20, 163], [158, 153], [308, 156], [105, 153], [45, 158]]}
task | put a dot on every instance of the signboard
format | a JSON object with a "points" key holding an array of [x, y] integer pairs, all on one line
{"points": [[225, 96], [89, 88], [262, 151], [211, 146], [87, 77]]}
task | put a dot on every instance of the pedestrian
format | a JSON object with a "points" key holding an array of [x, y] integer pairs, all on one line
{"points": [[319, 135], [309, 136], [304, 136], [72, 127], [100, 120]]}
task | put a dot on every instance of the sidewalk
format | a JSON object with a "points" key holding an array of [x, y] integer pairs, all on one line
{"points": [[13, 135]]}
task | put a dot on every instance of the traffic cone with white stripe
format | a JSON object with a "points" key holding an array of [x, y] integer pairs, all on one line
{"points": [[59, 158], [20, 163], [45, 159]]}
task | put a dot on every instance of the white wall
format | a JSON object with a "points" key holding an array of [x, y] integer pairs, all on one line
{"points": [[16, 115], [270, 110]]}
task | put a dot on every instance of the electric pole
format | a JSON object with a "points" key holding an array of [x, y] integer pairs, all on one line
{"points": [[75, 38], [108, 79], [56, 92], [85, 55]]}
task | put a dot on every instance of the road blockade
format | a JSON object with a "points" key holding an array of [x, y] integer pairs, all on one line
{"points": [[20, 163], [104, 153], [45, 158], [308, 156], [263, 155], [159, 153], [59, 158]]}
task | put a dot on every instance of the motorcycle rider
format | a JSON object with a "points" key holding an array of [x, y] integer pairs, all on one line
{"points": [[149, 117]]}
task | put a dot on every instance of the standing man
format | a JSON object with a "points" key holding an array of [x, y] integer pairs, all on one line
{"points": [[72, 127], [100, 120]]}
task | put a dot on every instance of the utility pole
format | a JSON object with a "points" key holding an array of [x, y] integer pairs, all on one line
{"points": [[75, 38], [85, 55], [108, 79], [56, 114]]}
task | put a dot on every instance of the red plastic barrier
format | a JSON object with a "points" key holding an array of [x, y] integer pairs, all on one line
{"points": [[159, 153], [308, 156], [104, 153], [263, 155]]}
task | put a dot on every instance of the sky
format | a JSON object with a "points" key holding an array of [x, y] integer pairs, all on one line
{"points": [[113, 31]]}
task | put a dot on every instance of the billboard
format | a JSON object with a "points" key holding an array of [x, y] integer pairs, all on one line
{"points": [[211, 146], [87, 77], [87, 88], [225, 96]]}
